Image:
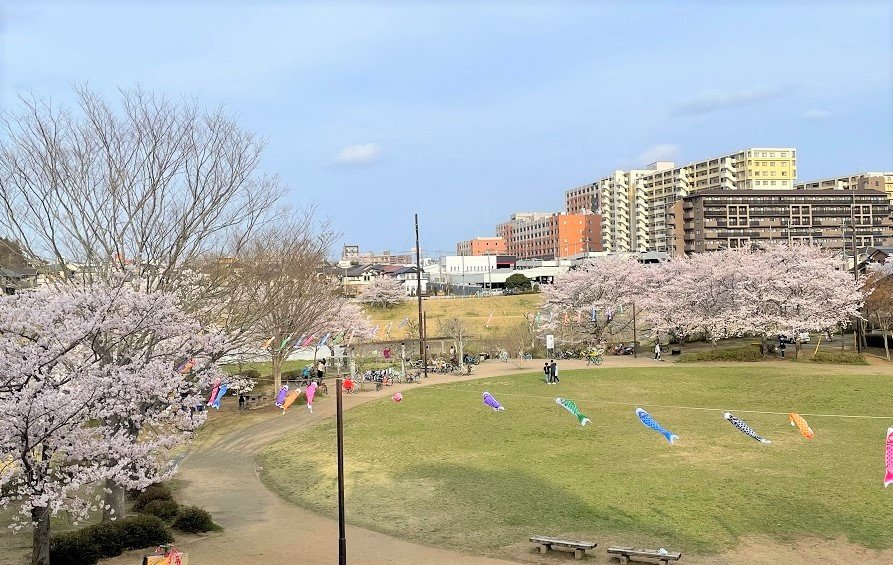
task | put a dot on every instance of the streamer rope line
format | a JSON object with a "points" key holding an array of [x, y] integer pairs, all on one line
{"points": [[700, 408]]}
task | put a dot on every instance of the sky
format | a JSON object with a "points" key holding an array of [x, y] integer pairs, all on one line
{"points": [[466, 112]]}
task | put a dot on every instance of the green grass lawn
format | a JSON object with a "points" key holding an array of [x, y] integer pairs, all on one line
{"points": [[442, 468]]}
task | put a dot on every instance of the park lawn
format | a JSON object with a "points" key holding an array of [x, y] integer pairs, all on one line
{"points": [[443, 469], [508, 312]]}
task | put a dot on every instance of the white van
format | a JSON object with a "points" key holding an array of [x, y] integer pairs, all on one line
{"points": [[804, 338]]}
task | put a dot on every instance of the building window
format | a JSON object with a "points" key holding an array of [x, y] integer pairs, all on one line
{"points": [[862, 215], [801, 215], [737, 215]]}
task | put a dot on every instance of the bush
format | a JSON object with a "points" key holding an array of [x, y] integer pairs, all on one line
{"points": [[87, 545], [73, 548], [144, 531], [152, 492], [164, 509], [194, 520], [839, 357], [744, 354], [291, 375], [253, 374]]}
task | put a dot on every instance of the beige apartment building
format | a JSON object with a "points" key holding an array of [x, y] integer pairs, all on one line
{"points": [[859, 181], [634, 203]]}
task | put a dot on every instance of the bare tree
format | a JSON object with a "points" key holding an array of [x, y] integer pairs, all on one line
{"points": [[879, 304], [162, 188], [281, 277], [457, 329]]}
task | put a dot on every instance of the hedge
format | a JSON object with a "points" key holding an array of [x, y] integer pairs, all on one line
{"points": [[839, 358], [109, 539], [152, 492], [194, 520], [747, 353]]}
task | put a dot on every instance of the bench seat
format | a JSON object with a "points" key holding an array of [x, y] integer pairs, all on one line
{"points": [[579, 548], [627, 554]]}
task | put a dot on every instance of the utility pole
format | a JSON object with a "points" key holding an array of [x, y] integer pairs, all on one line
{"points": [[858, 333], [342, 532], [418, 266]]}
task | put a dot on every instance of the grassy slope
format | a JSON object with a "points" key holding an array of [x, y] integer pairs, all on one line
{"points": [[441, 468], [508, 312]]}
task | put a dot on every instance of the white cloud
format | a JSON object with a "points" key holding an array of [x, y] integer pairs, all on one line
{"points": [[815, 115], [662, 152], [711, 100], [359, 154]]}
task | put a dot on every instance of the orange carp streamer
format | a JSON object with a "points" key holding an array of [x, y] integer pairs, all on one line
{"points": [[797, 420]]}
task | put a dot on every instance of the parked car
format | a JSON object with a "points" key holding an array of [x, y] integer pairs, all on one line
{"points": [[804, 338]]}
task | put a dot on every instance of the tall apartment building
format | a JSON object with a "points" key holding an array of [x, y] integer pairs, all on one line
{"points": [[859, 181], [634, 203], [481, 246], [714, 219], [544, 235]]}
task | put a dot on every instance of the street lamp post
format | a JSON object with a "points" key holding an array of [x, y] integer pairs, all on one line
{"points": [[342, 534]]}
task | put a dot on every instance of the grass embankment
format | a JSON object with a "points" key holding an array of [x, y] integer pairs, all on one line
{"points": [[508, 312], [443, 469]]}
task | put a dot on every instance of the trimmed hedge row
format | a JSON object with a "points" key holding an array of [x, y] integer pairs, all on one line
{"points": [[109, 539], [747, 354], [839, 357]]}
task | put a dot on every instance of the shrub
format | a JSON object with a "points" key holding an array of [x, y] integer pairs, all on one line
{"points": [[164, 509], [194, 520], [152, 492], [251, 374], [87, 545], [839, 357], [744, 354], [144, 531], [73, 548]]}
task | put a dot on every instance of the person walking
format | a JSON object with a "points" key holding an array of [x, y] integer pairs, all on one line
{"points": [[781, 348], [657, 351], [547, 373], [553, 369]]}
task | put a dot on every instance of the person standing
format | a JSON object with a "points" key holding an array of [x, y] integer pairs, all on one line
{"points": [[547, 373], [657, 351], [553, 369]]}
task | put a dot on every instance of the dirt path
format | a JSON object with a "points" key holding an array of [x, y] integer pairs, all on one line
{"points": [[221, 476]]}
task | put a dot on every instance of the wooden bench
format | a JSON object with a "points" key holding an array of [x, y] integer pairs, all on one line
{"points": [[627, 554], [578, 547]]}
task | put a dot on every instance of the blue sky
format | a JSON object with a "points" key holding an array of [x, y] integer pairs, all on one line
{"points": [[467, 113]]}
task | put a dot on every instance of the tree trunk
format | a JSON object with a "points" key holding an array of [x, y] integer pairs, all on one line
{"points": [[886, 331], [277, 371], [40, 544], [114, 502]]}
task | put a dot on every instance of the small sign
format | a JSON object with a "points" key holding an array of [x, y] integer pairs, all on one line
{"points": [[550, 341]]}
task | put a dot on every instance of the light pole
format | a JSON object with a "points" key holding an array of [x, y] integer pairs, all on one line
{"points": [[342, 534], [858, 332]]}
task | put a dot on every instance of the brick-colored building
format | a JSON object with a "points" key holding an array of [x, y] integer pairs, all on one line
{"points": [[714, 219], [547, 235], [481, 246]]}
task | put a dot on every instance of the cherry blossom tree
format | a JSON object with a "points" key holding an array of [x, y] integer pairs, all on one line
{"points": [[585, 301], [798, 288], [383, 291], [68, 382]]}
